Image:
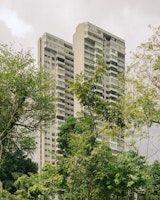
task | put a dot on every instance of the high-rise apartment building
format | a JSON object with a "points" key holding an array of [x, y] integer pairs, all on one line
{"points": [[89, 43], [55, 56]]}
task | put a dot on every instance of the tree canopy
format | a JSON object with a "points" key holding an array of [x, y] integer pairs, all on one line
{"points": [[24, 102], [142, 84], [13, 166]]}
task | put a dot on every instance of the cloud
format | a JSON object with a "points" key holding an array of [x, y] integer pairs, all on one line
{"points": [[16, 25], [126, 19]]}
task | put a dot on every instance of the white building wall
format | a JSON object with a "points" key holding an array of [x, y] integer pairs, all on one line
{"points": [[56, 57]]}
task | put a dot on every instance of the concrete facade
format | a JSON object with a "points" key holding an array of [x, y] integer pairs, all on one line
{"points": [[55, 56], [89, 43]]}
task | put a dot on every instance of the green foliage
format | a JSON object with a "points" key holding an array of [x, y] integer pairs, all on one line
{"points": [[154, 171], [86, 174], [100, 175], [43, 185], [90, 171], [130, 174], [13, 166], [142, 106], [5, 195], [70, 126], [23, 102]]}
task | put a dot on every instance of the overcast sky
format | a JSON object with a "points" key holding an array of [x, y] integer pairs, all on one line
{"points": [[24, 21]]}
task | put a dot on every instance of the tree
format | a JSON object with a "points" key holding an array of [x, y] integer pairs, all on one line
{"points": [[70, 126], [86, 175], [87, 169], [94, 173], [13, 166], [130, 175], [43, 185], [154, 187], [142, 106], [91, 171], [4, 194], [24, 104]]}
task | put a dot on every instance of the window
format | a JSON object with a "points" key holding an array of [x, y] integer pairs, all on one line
{"points": [[112, 74], [113, 69], [60, 117], [121, 55], [108, 38], [60, 59], [60, 88], [61, 106], [113, 63]]}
